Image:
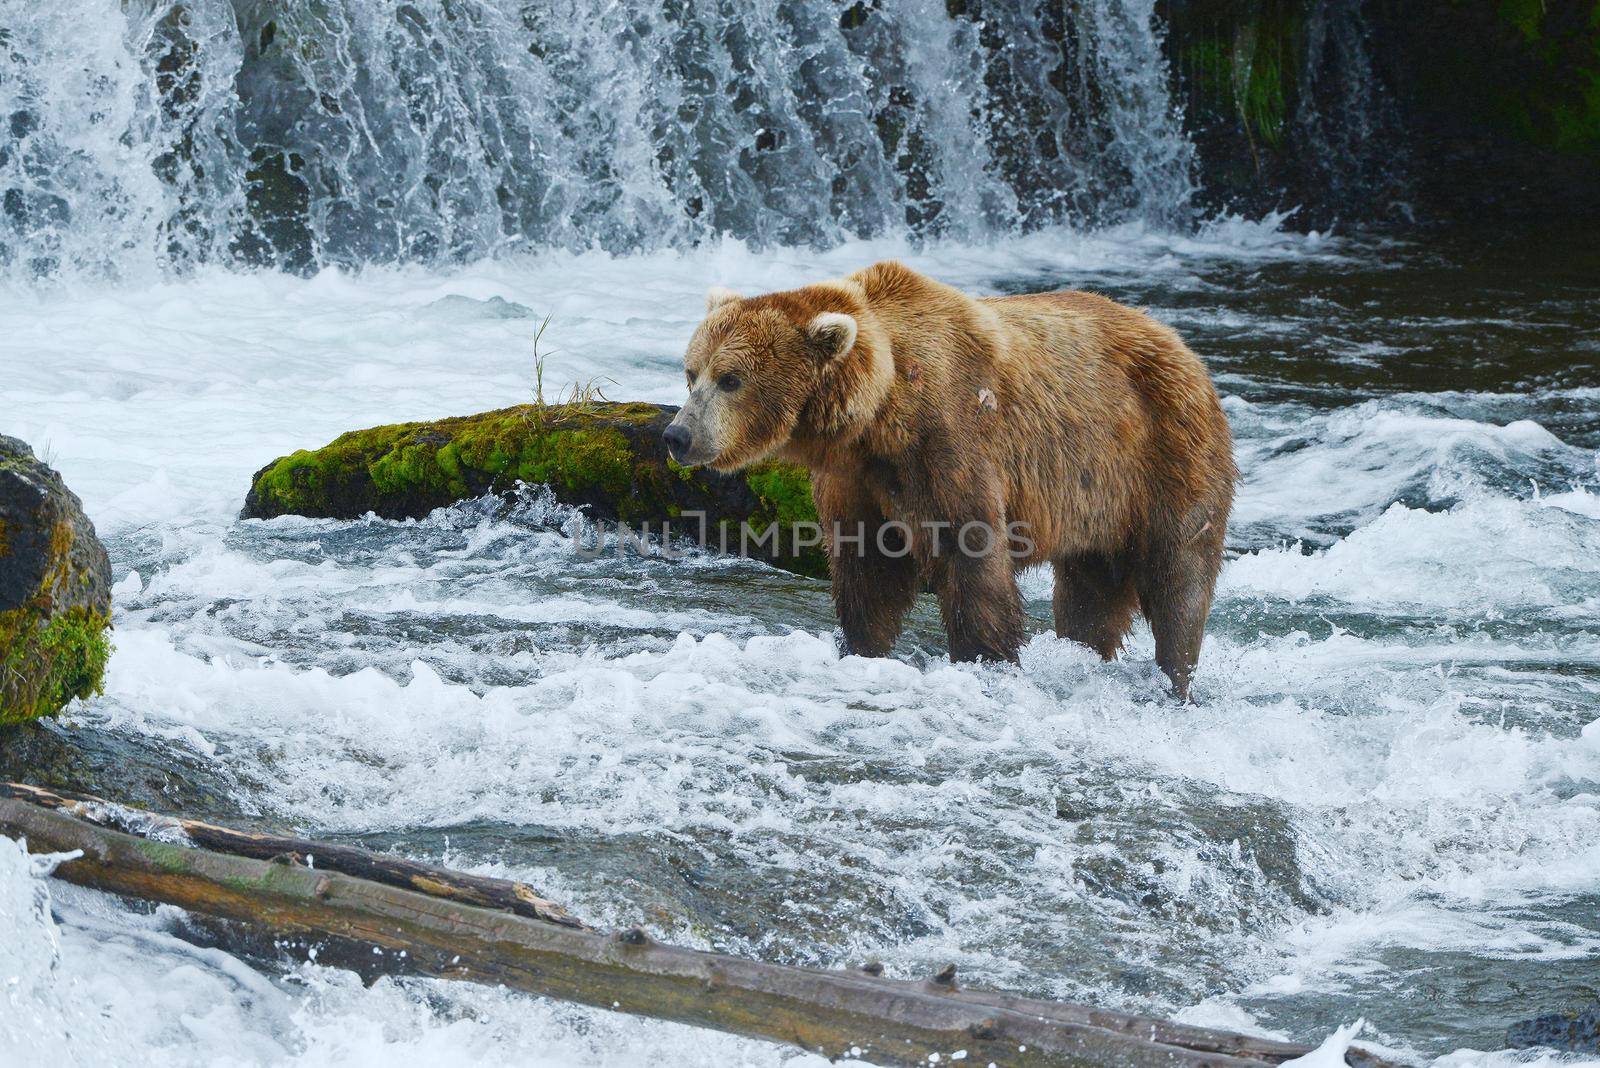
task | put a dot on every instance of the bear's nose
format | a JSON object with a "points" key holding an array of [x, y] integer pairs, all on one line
{"points": [[677, 438]]}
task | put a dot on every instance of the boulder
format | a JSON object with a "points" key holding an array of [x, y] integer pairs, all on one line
{"points": [[55, 591], [1574, 1032], [605, 457]]}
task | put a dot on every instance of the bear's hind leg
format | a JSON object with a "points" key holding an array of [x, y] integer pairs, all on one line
{"points": [[1094, 601], [1175, 589]]}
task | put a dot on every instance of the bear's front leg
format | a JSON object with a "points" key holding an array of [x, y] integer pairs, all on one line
{"points": [[873, 571], [977, 586]]}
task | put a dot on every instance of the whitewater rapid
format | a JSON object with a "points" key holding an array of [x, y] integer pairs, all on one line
{"points": [[1385, 803], [154, 136]]}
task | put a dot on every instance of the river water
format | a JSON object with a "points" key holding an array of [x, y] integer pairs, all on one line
{"points": [[1385, 801]]}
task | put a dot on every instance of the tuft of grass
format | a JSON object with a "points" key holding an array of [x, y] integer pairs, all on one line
{"points": [[581, 398], [538, 363]]}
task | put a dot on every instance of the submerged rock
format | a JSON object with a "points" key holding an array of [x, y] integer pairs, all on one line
{"points": [[605, 457], [456, 308], [55, 591], [1575, 1032]]}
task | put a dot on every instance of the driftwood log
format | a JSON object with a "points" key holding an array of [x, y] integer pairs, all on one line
{"points": [[489, 931], [325, 856]]}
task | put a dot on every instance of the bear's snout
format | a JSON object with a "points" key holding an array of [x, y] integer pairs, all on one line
{"points": [[678, 440]]}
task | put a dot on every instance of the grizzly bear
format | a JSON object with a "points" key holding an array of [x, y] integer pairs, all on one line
{"points": [[953, 440]]}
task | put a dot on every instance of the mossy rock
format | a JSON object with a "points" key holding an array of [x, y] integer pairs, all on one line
{"points": [[55, 591], [605, 457]]}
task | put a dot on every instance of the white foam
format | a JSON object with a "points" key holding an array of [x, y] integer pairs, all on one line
{"points": [[1578, 500], [1488, 554], [1380, 794], [1473, 1058], [1304, 470], [636, 727], [1330, 1054]]}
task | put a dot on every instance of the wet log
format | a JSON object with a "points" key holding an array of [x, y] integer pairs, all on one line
{"points": [[834, 1013], [322, 856], [605, 457]]}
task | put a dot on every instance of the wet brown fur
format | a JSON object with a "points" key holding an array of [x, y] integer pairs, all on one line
{"points": [[1102, 433]]}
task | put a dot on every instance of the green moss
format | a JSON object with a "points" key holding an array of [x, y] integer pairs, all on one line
{"points": [[49, 660], [1248, 69], [51, 649], [578, 449], [5, 539], [419, 466], [578, 459], [785, 494], [690, 475], [1551, 97], [592, 454], [295, 482], [168, 857], [180, 860], [693, 477], [635, 412], [283, 879], [1525, 15], [564, 448], [649, 497]]}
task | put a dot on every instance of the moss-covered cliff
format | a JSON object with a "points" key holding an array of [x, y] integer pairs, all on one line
{"points": [[605, 457], [55, 592], [1373, 109], [1501, 102]]}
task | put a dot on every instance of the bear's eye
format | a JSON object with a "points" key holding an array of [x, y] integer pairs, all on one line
{"points": [[729, 382]]}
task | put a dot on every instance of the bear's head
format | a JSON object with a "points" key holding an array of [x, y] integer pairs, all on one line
{"points": [[808, 363]]}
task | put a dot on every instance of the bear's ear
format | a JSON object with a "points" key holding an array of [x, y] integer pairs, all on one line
{"points": [[717, 296], [833, 334]]}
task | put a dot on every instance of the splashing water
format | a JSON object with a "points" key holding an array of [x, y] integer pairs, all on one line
{"points": [[151, 136]]}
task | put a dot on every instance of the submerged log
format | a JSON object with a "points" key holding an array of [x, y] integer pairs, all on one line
{"points": [[603, 456], [430, 919]]}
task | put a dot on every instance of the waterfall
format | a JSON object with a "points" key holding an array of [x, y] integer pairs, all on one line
{"points": [[142, 138]]}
